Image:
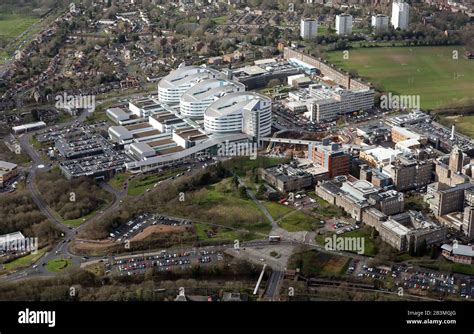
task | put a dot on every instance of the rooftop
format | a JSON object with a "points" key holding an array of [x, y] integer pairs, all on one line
{"points": [[232, 102]]}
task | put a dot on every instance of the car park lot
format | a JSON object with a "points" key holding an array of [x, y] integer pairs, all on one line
{"points": [[165, 260], [136, 225], [416, 279]]}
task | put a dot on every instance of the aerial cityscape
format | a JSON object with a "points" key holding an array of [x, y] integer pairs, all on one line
{"points": [[253, 151]]}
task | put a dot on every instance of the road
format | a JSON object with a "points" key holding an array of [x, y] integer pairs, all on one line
{"points": [[273, 285]]}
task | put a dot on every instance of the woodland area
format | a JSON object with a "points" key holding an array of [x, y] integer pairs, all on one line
{"points": [[71, 199]]}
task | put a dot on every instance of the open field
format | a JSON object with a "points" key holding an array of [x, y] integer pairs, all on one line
{"points": [[370, 248], [12, 25], [313, 263], [430, 72], [290, 219], [221, 203]]}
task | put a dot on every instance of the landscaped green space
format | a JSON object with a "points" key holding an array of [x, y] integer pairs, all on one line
{"points": [[118, 181], [57, 265], [243, 164], [140, 184], [222, 203], [416, 202], [370, 248], [430, 72], [325, 210], [314, 263], [277, 210], [288, 218], [297, 221], [25, 261]]}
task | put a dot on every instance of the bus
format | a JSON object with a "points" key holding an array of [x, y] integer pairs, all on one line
{"points": [[274, 238]]}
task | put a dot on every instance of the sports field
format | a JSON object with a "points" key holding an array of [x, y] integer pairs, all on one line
{"points": [[430, 72], [12, 25]]}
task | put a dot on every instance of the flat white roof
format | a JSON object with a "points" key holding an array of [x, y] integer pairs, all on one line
{"points": [[11, 237], [121, 131], [185, 74], [210, 87], [233, 102], [396, 227], [28, 126], [265, 61], [7, 165], [381, 153]]}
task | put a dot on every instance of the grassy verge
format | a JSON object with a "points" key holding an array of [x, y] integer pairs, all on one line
{"points": [[24, 261], [58, 265], [444, 265], [140, 184], [118, 181]]}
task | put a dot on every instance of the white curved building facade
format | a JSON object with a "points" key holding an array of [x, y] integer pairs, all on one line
{"points": [[197, 99], [175, 84], [246, 112]]}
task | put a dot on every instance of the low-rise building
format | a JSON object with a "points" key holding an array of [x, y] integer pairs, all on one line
{"points": [[458, 253], [7, 172]]}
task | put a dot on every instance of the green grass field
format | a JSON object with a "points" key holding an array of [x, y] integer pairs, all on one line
{"points": [[24, 261], [430, 72], [12, 25], [291, 220], [57, 265], [221, 203], [370, 249]]}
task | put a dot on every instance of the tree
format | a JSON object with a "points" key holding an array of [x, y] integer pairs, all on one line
{"points": [[422, 248], [261, 190], [273, 83], [235, 181], [433, 252], [243, 192]]}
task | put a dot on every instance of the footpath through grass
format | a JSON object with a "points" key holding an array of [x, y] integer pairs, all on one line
{"points": [[289, 218]]}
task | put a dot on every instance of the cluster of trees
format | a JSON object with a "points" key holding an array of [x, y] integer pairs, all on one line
{"points": [[18, 212], [193, 188], [71, 199], [233, 277]]}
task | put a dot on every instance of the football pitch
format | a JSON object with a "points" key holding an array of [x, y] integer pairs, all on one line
{"points": [[431, 72]]}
